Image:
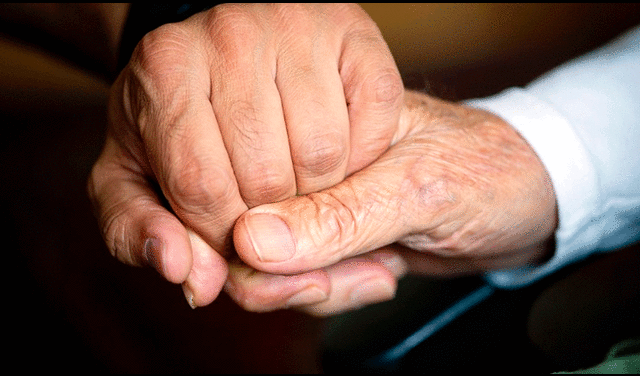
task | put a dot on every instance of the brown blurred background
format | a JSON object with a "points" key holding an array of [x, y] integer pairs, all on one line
{"points": [[72, 307]]}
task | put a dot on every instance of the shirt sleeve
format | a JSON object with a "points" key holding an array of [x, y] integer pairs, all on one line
{"points": [[583, 121]]}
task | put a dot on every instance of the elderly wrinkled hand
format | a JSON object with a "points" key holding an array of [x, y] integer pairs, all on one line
{"points": [[458, 192], [235, 107]]}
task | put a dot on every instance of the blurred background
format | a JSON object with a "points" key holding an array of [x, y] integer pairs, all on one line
{"points": [[72, 307]]}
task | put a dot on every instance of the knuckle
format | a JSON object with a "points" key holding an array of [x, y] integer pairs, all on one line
{"points": [[194, 189], [232, 29], [295, 17], [381, 86], [337, 222], [265, 184], [371, 74], [154, 85], [162, 50], [321, 154], [228, 15], [267, 179], [341, 221], [386, 87], [354, 19]]}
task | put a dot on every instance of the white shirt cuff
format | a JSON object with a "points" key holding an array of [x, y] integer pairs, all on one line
{"points": [[571, 171]]}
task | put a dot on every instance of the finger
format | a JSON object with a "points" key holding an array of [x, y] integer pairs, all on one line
{"points": [[374, 91], [369, 210], [360, 281], [207, 276], [315, 112], [262, 292], [170, 104], [370, 278], [347, 285], [248, 109], [137, 229]]}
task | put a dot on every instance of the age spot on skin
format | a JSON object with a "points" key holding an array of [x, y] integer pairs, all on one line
{"points": [[423, 192]]}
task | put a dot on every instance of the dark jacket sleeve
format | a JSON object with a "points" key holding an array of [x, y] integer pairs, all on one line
{"points": [[144, 17]]}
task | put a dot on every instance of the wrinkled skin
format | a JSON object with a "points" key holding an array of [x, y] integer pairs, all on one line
{"points": [[235, 107], [458, 192], [246, 106]]}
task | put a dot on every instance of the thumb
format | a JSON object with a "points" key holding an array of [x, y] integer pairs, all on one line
{"points": [[364, 212]]}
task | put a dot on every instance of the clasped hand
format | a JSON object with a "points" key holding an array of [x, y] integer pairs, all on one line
{"points": [[290, 123]]}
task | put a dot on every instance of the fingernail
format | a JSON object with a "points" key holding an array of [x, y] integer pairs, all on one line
{"points": [[372, 291], [393, 262], [271, 237], [151, 252], [188, 294], [310, 295]]}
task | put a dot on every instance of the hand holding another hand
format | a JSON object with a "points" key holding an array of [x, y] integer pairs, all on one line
{"points": [[235, 107], [245, 106]]}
